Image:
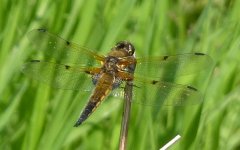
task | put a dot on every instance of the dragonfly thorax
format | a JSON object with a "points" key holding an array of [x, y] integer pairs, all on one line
{"points": [[110, 65]]}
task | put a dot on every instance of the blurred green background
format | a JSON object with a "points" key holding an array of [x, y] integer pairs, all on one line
{"points": [[36, 116]]}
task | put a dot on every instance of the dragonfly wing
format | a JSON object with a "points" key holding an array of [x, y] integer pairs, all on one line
{"points": [[61, 50], [58, 75], [167, 67], [159, 93]]}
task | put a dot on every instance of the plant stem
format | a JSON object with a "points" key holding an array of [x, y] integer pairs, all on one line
{"points": [[126, 115]]}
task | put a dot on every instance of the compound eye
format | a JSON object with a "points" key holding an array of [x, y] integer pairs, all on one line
{"points": [[120, 45], [127, 46]]}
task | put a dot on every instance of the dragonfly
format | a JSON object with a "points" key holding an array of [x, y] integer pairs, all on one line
{"points": [[67, 65]]}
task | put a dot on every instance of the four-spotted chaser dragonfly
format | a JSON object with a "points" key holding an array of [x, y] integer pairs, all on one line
{"points": [[109, 73]]}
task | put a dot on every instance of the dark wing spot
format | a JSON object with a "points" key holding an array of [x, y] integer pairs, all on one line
{"points": [[67, 42], [165, 57], [67, 67], [87, 71], [154, 82], [34, 60], [42, 30], [191, 88], [199, 54]]}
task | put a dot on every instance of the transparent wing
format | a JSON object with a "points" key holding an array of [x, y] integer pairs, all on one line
{"points": [[57, 75], [159, 93], [167, 67], [61, 50]]}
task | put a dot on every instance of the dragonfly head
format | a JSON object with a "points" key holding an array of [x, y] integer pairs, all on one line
{"points": [[124, 46]]}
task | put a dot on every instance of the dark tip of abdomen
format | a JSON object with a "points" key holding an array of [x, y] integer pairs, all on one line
{"points": [[78, 123], [85, 113]]}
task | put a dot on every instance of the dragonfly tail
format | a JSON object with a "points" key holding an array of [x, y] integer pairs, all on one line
{"points": [[90, 107]]}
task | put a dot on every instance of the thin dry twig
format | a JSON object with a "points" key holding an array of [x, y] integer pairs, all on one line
{"points": [[126, 115]]}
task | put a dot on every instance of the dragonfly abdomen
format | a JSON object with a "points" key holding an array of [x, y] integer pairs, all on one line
{"points": [[101, 91]]}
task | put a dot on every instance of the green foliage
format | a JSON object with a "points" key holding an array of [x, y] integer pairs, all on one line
{"points": [[36, 116]]}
